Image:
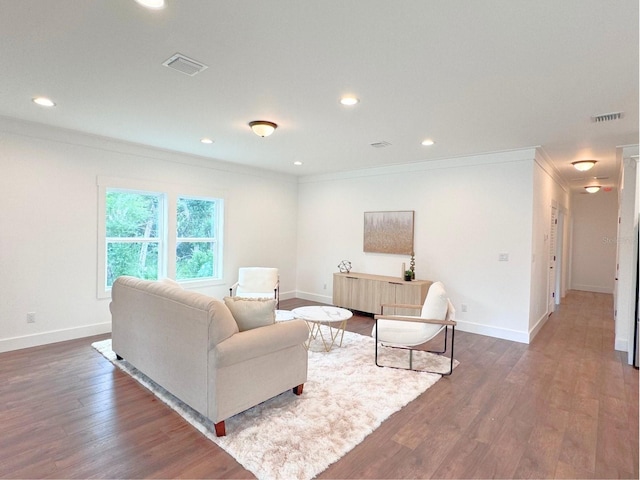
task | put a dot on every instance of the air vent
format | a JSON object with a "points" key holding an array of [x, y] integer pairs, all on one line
{"points": [[184, 64], [380, 144], [607, 117], [581, 179]]}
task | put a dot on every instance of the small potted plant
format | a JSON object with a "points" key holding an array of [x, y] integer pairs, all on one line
{"points": [[408, 275]]}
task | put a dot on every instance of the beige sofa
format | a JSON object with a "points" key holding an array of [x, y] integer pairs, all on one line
{"points": [[190, 344]]}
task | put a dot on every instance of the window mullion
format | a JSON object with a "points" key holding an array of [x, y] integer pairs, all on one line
{"points": [[169, 234]]}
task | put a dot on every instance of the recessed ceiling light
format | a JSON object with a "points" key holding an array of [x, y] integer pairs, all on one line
{"points": [[297, 162], [44, 101], [206, 140], [152, 4], [349, 101], [428, 142]]}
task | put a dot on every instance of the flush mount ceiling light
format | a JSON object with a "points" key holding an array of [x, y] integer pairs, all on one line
{"points": [[584, 165], [152, 4], [427, 142], [349, 101], [592, 189], [43, 101], [263, 128], [297, 163], [206, 141]]}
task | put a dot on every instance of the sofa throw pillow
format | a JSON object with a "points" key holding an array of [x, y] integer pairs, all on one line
{"points": [[252, 313]]}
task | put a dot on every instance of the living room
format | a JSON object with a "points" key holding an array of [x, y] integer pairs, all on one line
{"points": [[470, 208]]}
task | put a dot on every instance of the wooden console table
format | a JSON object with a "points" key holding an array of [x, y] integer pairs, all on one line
{"points": [[365, 293]]}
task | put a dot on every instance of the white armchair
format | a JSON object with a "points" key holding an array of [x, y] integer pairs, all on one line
{"points": [[257, 282], [400, 331]]}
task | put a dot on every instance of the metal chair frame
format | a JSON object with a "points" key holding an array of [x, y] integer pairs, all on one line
{"points": [[446, 323]]}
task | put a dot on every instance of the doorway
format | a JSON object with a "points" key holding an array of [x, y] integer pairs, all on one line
{"points": [[556, 237]]}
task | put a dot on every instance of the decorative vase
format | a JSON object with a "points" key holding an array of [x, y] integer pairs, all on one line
{"points": [[412, 266]]}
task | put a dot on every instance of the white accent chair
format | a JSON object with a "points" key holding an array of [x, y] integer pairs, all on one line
{"points": [[257, 282], [404, 332]]}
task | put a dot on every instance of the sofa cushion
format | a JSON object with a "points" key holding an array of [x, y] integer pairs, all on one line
{"points": [[223, 325], [252, 313]]}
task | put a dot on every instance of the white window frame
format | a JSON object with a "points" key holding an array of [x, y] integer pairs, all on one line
{"points": [[167, 232]]}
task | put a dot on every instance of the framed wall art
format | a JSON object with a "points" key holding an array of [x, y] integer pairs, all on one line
{"points": [[389, 232]]}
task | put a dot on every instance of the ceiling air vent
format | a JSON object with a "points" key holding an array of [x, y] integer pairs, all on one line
{"points": [[184, 64], [380, 144], [607, 117]]}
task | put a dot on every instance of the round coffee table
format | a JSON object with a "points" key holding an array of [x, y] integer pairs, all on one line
{"points": [[318, 315]]}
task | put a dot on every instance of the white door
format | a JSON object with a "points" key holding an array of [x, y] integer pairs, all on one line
{"points": [[559, 256], [552, 260]]}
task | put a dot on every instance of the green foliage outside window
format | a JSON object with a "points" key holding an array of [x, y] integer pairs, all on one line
{"points": [[196, 220], [133, 236], [132, 216]]}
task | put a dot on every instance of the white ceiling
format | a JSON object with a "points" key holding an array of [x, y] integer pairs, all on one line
{"points": [[476, 76]]}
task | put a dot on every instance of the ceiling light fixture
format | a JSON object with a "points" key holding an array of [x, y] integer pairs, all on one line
{"points": [[428, 142], [152, 4], [263, 128], [206, 140], [349, 101], [584, 165], [592, 189], [43, 102], [297, 163]]}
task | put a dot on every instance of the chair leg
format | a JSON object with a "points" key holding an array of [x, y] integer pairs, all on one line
{"points": [[444, 348]]}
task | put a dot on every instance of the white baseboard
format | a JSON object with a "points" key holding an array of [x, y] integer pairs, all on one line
{"points": [[315, 298], [538, 326], [495, 332], [37, 339], [592, 288], [621, 345]]}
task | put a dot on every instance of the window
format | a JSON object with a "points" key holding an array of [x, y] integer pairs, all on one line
{"points": [[196, 241], [133, 234], [152, 233]]}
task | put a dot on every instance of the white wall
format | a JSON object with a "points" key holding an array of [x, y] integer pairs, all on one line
{"points": [[626, 239], [467, 211], [48, 259], [594, 224], [548, 193]]}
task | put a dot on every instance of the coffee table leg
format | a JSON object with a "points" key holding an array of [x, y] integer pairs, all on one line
{"points": [[324, 342], [329, 342], [340, 330]]}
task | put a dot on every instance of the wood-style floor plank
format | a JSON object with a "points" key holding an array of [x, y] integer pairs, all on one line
{"points": [[565, 406]]}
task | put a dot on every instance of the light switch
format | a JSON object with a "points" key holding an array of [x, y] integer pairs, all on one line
{"points": [[503, 257]]}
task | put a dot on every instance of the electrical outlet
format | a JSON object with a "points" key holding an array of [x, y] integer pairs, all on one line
{"points": [[503, 257], [31, 317], [464, 307], [325, 286]]}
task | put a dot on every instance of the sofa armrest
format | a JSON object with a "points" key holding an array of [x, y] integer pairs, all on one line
{"points": [[261, 341]]}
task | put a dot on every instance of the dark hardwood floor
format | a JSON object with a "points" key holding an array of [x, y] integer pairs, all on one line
{"points": [[565, 406]]}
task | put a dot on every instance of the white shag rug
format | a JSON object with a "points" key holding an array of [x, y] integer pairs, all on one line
{"points": [[345, 398]]}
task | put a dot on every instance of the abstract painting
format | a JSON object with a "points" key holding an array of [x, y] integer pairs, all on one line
{"points": [[389, 232]]}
